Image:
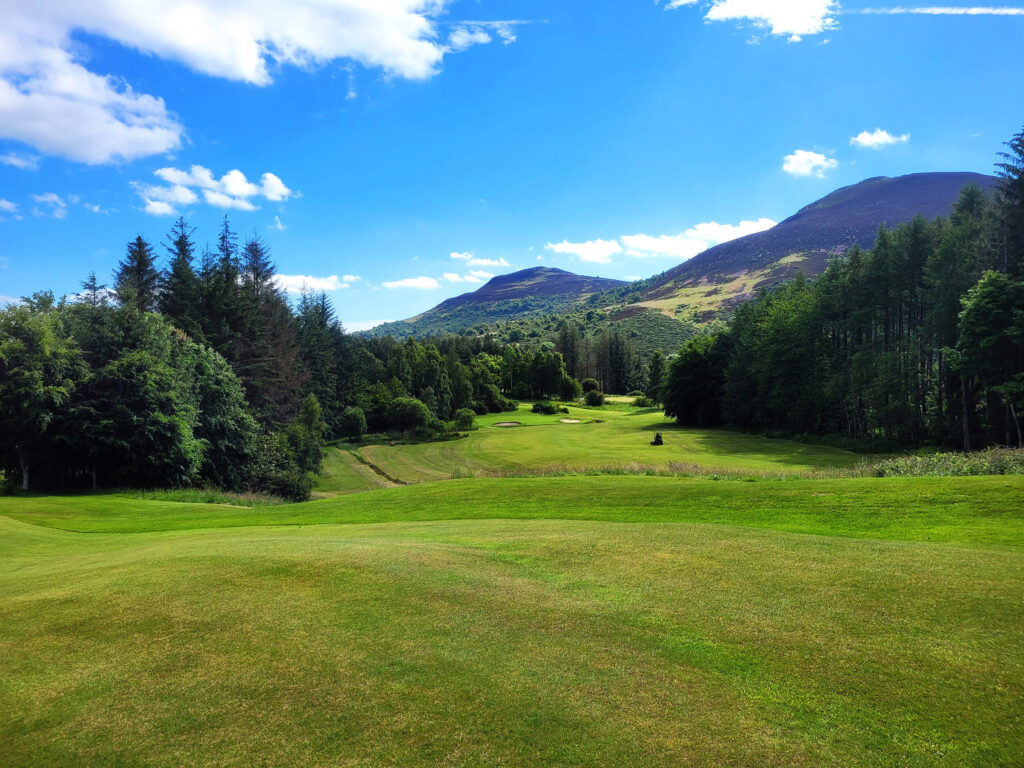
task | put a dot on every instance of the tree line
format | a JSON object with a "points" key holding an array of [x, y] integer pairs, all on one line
{"points": [[918, 341], [203, 373]]}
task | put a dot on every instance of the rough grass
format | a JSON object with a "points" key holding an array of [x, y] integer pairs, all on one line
{"points": [[626, 632]]}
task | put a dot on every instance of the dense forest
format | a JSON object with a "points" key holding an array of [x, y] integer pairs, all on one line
{"points": [[202, 373], [917, 341]]}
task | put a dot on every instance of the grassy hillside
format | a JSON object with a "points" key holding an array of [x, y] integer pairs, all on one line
{"points": [[606, 437], [555, 621]]}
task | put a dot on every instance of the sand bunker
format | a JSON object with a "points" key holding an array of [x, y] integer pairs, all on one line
{"points": [[509, 424], [571, 421]]}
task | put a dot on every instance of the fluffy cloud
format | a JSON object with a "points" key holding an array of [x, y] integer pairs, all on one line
{"points": [[421, 283], [21, 161], [300, 283], [594, 251], [50, 100], [473, 261], [693, 241], [806, 163], [231, 191], [277, 225], [787, 18], [52, 205], [877, 139], [6, 206]]}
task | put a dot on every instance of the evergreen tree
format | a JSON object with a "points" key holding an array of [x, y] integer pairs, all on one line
{"points": [[181, 298], [136, 280]]}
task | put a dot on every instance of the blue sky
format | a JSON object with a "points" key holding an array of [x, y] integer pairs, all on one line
{"points": [[398, 152]]}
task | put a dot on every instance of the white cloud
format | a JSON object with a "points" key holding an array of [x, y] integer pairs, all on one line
{"points": [[462, 38], [695, 240], [453, 277], [594, 251], [52, 204], [51, 101], [277, 225], [473, 261], [95, 208], [220, 200], [232, 191], [351, 278], [22, 161], [480, 274], [159, 208], [7, 206], [298, 283], [784, 18], [5, 300], [943, 11], [806, 163], [877, 139], [421, 283]]}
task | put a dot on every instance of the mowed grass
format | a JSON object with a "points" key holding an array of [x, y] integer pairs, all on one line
{"points": [[342, 473], [611, 436], [587, 621]]}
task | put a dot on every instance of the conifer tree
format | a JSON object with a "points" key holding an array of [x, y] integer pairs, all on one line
{"points": [[181, 298], [136, 280]]}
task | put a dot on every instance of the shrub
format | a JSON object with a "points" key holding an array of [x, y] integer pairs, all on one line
{"points": [[479, 408], [352, 423], [589, 385], [595, 397], [407, 413], [544, 408], [464, 419], [563, 410], [433, 428], [993, 461], [509, 405], [570, 389], [643, 402]]}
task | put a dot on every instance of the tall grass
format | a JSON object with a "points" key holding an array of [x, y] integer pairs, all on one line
{"points": [[993, 461], [207, 496]]}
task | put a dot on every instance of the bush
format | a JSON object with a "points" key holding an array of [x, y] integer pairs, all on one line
{"points": [[407, 414], [464, 419], [479, 408], [993, 461], [433, 428], [563, 410], [274, 471], [589, 385], [643, 402], [547, 409], [595, 397], [570, 389], [508, 405], [352, 423]]}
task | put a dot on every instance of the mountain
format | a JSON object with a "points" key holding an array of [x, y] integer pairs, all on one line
{"points": [[732, 272], [529, 292]]}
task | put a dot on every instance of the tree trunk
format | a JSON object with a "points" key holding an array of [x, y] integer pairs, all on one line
{"points": [[967, 428], [23, 461], [94, 475], [1016, 423]]}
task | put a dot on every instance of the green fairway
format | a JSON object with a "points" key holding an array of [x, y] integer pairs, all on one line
{"points": [[601, 621], [612, 436]]}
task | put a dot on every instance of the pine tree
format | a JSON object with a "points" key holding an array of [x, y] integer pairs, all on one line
{"points": [[181, 298], [136, 280], [93, 293]]}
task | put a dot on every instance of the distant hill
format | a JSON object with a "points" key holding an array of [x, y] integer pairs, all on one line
{"points": [[733, 271], [529, 292]]}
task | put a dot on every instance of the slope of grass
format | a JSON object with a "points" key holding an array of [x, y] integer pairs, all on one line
{"points": [[980, 510], [343, 473], [522, 642], [617, 434]]}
